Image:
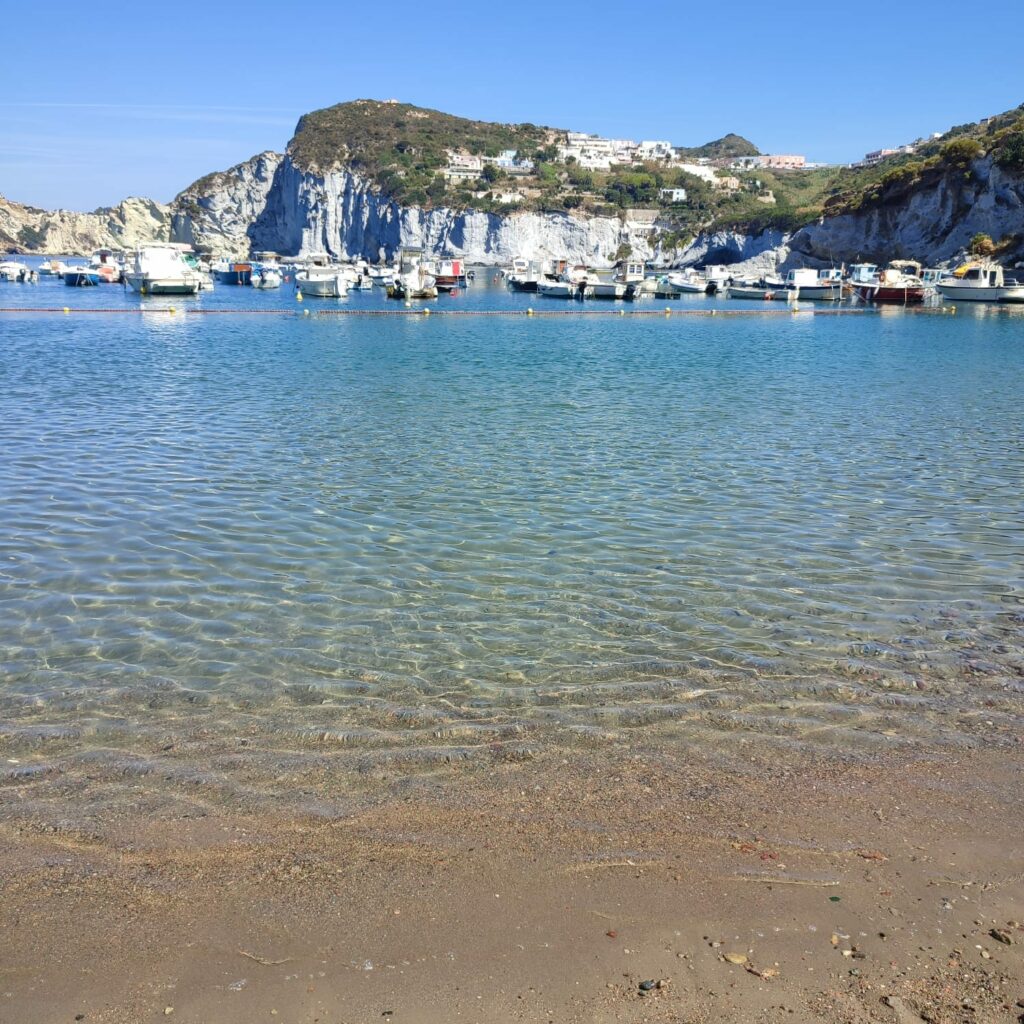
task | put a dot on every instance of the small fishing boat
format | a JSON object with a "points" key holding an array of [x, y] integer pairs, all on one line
{"points": [[322, 282], [227, 272], [624, 283], [683, 282], [981, 282], [815, 286], [266, 277], [81, 277], [892, 286], [52, 268], [448, 274], [763, 290], [414, 279]]}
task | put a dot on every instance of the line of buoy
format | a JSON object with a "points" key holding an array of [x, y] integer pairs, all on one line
{"points": [[666, 312]]}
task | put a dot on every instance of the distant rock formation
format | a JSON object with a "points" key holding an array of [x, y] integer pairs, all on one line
{"points": [[133, 222]]}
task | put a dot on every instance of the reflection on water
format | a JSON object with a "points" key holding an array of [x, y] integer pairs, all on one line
{"points": [[414, 540]]}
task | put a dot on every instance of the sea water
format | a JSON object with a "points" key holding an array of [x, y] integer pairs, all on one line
{"points": [[419, 537]]}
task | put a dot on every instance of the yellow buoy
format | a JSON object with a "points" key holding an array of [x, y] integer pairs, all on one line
{"points": [[426, 312], [298, 296], [172, 311], [66, 310], [529, 311]]}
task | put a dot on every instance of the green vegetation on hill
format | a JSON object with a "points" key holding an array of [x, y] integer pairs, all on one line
{"points": [[726, 148]]}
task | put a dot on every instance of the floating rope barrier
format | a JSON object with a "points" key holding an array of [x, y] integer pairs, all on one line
{"points": [[422, 311]]}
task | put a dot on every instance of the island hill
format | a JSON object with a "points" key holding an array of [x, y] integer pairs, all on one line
{"points": [[367, 177], [432, 161]]}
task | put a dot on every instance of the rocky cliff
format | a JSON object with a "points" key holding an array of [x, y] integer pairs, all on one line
{"points": [[934, 222], [216, 214], [133, 222], [271, 203]]}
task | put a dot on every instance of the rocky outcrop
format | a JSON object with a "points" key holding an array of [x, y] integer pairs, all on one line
{"points": [[932, 224], [216, 214], [133, 222], [340, 213]]}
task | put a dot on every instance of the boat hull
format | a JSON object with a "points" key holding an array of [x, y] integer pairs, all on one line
{"points": [[967, 293], [236, 274], [820, 293], [161, 286], [81, 278], [323, 287], [759, 294], [611, 290], [891, 295]]}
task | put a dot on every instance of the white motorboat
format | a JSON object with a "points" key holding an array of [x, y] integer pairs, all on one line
{"points": [[763, 291], [52, 268], [413, 279], [813, 285], [11, 270], [322, 282], [683, 282], [266, 277], [161, 269], [981, 282]]}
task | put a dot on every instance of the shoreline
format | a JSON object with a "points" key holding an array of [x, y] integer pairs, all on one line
{"points": [[535, 890]]}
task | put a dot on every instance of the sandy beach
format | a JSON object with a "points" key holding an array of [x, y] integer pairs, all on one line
{"points": [[626, 884]]}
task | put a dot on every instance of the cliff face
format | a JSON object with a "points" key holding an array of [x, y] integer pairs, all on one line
{"points": [[932, 224], [131, 223], [271, 203], [216, 213]]}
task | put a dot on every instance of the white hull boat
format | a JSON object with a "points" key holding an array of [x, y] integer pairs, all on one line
{"points": [[162, 270], [980, 283], [322, 283], [266, 278]]}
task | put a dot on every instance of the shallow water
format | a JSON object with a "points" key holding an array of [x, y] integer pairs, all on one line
{"points": [[420, 538]]}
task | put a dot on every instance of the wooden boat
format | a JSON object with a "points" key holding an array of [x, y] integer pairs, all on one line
{"points": [[892, 286], [763, 291]]}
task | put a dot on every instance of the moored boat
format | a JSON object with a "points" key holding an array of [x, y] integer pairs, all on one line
{"points": [[81, 277], [893, 286], [266, 277], [228, 272], [161, 269], [815, 286], [12, 270], [414, 279], [981, 282], [322, 282], [762, 290]]}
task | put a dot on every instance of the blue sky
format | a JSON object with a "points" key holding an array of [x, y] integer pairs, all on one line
{"points": [[99, 103]]}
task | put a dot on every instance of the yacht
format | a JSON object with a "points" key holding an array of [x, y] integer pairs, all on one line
{"points": [[981, 282], [161, 269], [81, 277]]}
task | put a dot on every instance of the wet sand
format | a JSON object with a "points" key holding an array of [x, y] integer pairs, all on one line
{"points": [[541, 890]]}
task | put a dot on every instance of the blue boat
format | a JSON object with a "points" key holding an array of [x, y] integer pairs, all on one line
{"points": [[233, 273], [81, 277]]}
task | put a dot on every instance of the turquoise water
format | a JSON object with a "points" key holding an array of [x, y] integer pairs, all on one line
{"points": [[423, 537]]}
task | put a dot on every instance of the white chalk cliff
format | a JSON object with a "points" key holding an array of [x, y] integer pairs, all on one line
{"points": [[131, 223]]}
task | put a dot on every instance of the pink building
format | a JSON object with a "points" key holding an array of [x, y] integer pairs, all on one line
{"points": [[783, 162]]}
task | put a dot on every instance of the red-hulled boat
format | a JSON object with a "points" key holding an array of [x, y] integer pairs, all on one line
{"points": [[894, 285]]}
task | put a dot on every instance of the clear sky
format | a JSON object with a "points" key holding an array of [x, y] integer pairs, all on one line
{"points": [[103, 101]]}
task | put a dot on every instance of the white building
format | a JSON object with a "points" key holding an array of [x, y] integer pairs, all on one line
{"points": [[673, 195]]}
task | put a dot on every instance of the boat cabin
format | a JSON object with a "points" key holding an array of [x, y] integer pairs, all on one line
{"points": [[863, 273], [984, 276], [804, 277]]}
